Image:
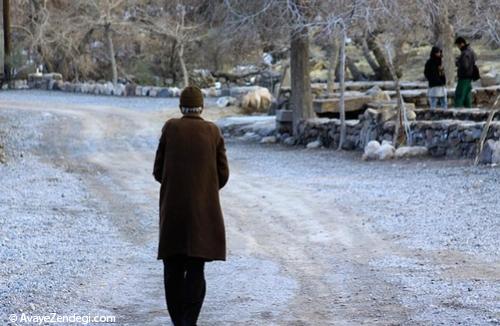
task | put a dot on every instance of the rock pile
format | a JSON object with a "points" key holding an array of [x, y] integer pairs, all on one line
{"points": [[56, 83]]}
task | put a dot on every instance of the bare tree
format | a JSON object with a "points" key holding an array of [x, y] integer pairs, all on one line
{"points": [[295, 18], [180, 22], [107, 16]]}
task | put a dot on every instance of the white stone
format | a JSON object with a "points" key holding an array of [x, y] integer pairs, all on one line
{"points": [[386, 151], [289, 140], [175, 91], [119, 90], [250, 136], [268, 140], [145, 90], [153, 91], [314, 144], [225, 101], [99, 89], [371, 150], [411, 151], [109, 88]]}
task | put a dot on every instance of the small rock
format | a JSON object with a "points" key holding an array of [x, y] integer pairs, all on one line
{"points": [[225, 101], [371, 150], [314, 144], [268, 140], [289, 141]]}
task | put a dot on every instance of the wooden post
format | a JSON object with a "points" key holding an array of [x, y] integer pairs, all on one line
{"points": [[486, 128], [343, 129]]}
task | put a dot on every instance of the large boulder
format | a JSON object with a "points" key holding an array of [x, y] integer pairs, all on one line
{"points": [[258, 100]]}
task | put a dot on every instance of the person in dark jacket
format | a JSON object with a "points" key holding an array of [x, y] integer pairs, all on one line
{"points": [[465, 65], [434, 72], [191, 166]]}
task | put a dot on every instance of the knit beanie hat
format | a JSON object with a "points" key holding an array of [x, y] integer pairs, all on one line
{"points": [[191, 97]]}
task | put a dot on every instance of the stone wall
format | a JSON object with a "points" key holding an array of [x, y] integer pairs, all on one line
{"points": [[327, 131], [55, 82], [446, 137]]}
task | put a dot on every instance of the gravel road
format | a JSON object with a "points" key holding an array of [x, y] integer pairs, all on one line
{"points": [[315, 237]]}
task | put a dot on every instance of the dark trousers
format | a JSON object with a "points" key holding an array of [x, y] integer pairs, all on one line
{"points": [[463, 95], [185, 289]]}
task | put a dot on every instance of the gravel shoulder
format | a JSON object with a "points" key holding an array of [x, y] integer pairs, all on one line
{"points": [[316, 237]]}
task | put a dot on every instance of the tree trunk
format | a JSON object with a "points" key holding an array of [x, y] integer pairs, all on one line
{"points": [[277, 91], [7, 41], [444, 35], [301, 97], [368, 56], [355, 72], [111, 49], [343, 129], [384, 72], [332, 54], [185, 74], [171, 64]]}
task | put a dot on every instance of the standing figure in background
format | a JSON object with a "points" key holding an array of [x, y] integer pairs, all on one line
{"points": [[434, 73], [467, 72]]}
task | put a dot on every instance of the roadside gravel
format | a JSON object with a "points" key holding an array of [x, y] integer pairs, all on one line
{"points": [[52, 228]]}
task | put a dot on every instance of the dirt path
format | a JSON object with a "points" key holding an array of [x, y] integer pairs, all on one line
{"points": [[297, 255]]}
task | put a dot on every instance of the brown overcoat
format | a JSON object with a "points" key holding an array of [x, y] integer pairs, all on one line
{"points": [[191, 166]]}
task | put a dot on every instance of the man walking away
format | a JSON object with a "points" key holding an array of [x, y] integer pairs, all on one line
{"points": [[434, 72], [191, 166], [467, 72]]}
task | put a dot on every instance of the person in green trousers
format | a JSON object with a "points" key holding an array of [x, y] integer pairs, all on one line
{"points": [[465, 65]]}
